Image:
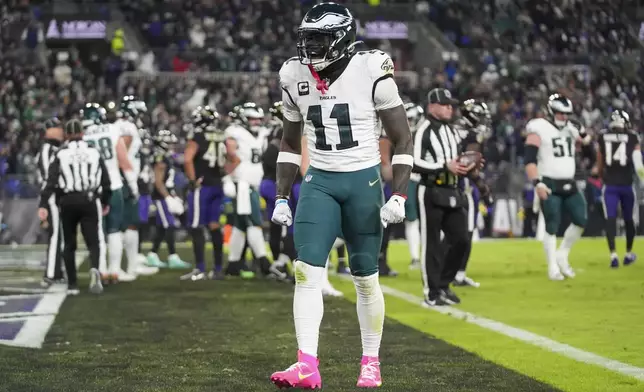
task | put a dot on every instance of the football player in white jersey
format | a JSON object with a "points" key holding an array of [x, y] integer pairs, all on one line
{"points": [[244, 152], [108, 140], [550, 165], [337, 95], [130, 122]]}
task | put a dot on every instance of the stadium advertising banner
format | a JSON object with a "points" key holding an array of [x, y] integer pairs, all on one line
{"points": [[75, 28], [381, 29]]}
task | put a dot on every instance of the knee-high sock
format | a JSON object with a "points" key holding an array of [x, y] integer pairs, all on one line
{"points": [[275, 239], [236, 245], [169, 239], [158, 238], [288, 247], [468, 251], [571, 235], [412, 234], [102, 253], [144, 231], [370, 305], [115, 251], [131, 245], [198, 247], [550, 246], [611, 232], [217, 239], [630, 234], [256, 241], [308, 306]]}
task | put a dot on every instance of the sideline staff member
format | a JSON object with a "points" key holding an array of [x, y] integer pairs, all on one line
{"points": [[50, 145], [79, 178], [441, 203]]}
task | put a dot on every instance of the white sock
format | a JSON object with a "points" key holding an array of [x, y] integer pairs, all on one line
{"points": [[236, 245], [325, 278], [131, 245], [256, 241], [370, 305], [571, 235], [460, 275], [308, 306], [338, 243], [412, 234], [550, 246], [281, 261], [115, 247]]}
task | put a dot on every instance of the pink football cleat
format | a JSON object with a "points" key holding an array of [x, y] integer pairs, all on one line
{"points": [[369, 373], [303, 374]]}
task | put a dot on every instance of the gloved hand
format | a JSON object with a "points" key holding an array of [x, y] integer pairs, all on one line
{"points": [[393, 211], [175, 205], [282, 213]]}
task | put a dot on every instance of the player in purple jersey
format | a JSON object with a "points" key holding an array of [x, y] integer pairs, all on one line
{"points": [[204, 159], [619, 158]]}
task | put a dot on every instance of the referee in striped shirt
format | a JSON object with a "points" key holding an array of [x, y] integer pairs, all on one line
{"points": [[52, 141], [79, 178], [441, 203]]}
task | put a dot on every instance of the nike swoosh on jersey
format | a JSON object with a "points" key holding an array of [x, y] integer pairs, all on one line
{"points": [[372, 183]]}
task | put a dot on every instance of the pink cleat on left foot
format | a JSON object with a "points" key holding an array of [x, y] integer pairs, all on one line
{"points": [[303, 374], [369, 373]]}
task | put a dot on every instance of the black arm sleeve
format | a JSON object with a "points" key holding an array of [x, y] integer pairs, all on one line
{"points": [[531, 152], [52, 181]]}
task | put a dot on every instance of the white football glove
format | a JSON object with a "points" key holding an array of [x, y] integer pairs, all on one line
{"points": [[393, 211], [134, 190], [175, 205], [229, 187], [282, 213]]}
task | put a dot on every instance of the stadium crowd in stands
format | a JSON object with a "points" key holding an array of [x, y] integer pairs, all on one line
{"points": [[258, 36]]}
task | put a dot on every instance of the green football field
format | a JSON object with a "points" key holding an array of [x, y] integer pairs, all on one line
{"points": [[160, 334]]}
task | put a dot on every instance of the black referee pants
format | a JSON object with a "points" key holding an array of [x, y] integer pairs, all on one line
{"points": [[53, 268], [440, 266], [75, 210]]}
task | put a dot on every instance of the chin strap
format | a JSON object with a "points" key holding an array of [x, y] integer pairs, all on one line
{"points": [[320, 84]]}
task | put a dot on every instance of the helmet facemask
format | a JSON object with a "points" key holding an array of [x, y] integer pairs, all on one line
{"points": [[321, 48]]}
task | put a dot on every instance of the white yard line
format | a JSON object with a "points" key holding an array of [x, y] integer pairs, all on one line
{"points": [[522, 335]]}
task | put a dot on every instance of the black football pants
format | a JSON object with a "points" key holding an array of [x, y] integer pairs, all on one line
{"points": [[440, 266], [75, 210]]}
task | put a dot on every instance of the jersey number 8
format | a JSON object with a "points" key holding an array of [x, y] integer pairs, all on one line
{"points": [[215, 154], [340, 113], [104, 147]]}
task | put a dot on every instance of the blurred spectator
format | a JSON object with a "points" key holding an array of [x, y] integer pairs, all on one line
{"points": [[62, 71], [118, 42]]}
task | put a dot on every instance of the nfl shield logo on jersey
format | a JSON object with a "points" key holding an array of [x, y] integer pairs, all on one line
{"points": [[452, 201], [308, 178]]}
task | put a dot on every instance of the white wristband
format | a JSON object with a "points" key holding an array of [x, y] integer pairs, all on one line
{"points": [[289, 157], [403, 159]]}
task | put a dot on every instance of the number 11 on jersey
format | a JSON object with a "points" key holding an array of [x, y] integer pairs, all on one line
{"points": [[340, 113]]}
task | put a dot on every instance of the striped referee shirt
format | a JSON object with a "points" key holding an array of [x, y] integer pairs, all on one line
{"points": [[45, 158], [77, 169], [436, 143]]}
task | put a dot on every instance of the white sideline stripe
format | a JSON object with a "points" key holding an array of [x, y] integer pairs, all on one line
{"points": [[522, 335], [525, 336]]}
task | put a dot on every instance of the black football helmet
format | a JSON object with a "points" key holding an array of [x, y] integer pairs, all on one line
{"points": [[164, 140], [206, 118], [327, 34], [475, 116], [620, 119], [558, 104]]}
